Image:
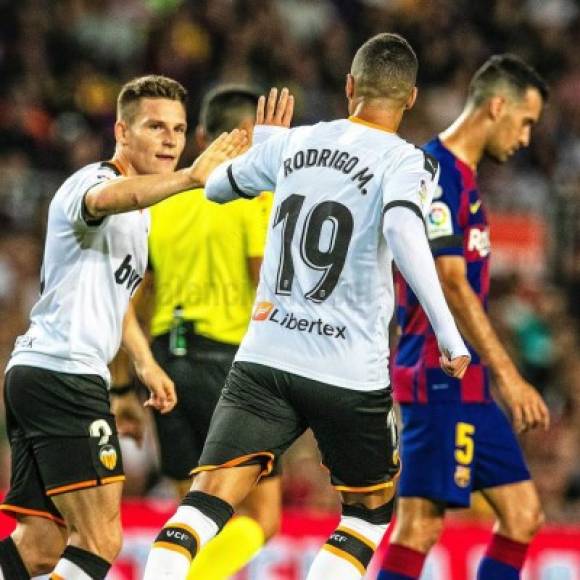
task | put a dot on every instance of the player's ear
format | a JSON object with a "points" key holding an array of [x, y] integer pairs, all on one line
{"points": [[349, 87], [121, 128], [411, 99], [200, 138], [495, 106]]}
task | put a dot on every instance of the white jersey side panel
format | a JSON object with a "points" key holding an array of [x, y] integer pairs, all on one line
{"points": [[325, 296], [89, 273]]}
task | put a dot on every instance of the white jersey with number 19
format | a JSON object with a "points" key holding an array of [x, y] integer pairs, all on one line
{"points": [[325, 296]]}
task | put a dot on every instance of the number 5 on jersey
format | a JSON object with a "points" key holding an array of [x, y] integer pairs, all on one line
{"points": [[329, 218]]}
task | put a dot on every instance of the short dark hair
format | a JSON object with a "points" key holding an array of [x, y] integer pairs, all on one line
{"points": [[151, 87], [223, 108], [505, 71], [385, 66]]}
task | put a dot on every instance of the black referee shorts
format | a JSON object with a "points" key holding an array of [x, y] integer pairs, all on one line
{"points": [[263, 410], [199, 377], [62, 438]]}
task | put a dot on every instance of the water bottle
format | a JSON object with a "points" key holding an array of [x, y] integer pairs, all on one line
{"points": [[178, 333]]}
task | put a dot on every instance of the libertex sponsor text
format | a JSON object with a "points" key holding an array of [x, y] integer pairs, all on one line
{"points": [[268, 312]]}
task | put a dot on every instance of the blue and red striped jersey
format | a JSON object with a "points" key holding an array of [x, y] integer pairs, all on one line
{"points": [[457, 226]]}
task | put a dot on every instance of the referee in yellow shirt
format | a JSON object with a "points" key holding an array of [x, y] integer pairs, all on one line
{"points": [[205, 260]]}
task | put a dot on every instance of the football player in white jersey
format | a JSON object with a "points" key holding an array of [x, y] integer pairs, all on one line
{"points": [[67, 471], [350, 196]]}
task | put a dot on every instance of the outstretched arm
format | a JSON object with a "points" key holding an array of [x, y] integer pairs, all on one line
{"points": [[141, 191]]}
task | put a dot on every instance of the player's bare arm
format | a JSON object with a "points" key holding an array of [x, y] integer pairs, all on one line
{"points": [[125, 404], [137, 192], [525, 403], [147, 370]]}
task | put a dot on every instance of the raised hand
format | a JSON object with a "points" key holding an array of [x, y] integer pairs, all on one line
{"points": [[275, 111], [227, 146]]}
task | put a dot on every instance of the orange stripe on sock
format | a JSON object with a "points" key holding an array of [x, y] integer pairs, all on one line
{"points": [[54, 576], [174, 548], [188, 529], [345, 556], [358, 536]]}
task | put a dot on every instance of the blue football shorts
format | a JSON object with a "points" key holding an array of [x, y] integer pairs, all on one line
{"points": [[451, 449]]}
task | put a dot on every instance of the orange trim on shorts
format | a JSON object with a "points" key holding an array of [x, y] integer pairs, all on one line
{"points": [[174, 548], [84, 485], [358, 536], [55, 576], [237, 461], [72, 487], [14, 509], [368, 124], [369, 488], [345, 556], [113, 479]]}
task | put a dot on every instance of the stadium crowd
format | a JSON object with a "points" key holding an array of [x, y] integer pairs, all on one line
{"points": [[63, 62]]}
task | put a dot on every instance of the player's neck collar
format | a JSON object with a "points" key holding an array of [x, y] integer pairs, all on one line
{"points": [[355, 119], [118, 165]]}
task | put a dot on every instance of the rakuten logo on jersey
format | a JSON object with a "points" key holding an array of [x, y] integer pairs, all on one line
{"points": [[479, 242], [266, 311]]}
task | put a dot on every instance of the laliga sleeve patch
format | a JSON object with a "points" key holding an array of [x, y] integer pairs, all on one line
{"points": [[439, 221]]}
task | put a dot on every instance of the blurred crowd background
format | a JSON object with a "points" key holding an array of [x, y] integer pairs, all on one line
{"points": [[62, 63]]}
